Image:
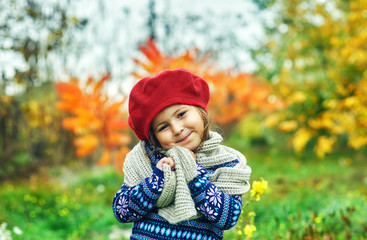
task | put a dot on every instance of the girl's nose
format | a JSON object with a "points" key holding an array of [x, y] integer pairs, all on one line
{"points": [[177, 128]]}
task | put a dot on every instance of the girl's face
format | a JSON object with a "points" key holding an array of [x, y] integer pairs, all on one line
{"points": [[178, 125]]}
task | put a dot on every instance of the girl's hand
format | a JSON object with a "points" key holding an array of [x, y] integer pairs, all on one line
{"points": [[166, 160]]}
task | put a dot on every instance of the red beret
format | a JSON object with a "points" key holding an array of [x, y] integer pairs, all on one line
{"points": [[152, 94]]}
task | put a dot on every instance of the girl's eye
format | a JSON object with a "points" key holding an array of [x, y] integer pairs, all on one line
{"points": [[161, 128], [181, 114]]}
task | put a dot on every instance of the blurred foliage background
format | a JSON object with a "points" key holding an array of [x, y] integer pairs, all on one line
{"points": [[299, 115]]}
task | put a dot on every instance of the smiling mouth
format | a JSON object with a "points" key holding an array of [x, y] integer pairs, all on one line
{"points": [[185, 138]]}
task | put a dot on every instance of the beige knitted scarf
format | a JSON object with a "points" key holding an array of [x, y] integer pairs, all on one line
{"points": [[175, 203]]}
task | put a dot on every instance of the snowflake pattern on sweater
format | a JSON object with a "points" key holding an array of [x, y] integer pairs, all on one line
{"points": [[138, 204]]}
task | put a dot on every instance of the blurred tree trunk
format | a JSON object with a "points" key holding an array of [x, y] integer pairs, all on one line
{"points": [[152, 20], [9, 128]]}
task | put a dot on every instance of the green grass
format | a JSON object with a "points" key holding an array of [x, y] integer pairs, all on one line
{"points": [[308, 199], [68, 205]]}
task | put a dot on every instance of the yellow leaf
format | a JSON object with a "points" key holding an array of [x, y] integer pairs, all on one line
{"points": [[288, 126], [297, 97], [324, 145], [357, 142], [272, 120], [301, 137]]}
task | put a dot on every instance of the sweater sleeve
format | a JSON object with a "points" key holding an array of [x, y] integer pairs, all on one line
{"points": [[219, 208], [132, 203]]}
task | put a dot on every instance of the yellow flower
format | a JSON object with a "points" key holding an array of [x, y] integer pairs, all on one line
{"points": [[319, 218], [249, 229], [258, 188], [251, 214]]}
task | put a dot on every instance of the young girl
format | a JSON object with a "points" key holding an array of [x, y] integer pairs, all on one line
{"points": [[179, 181]]}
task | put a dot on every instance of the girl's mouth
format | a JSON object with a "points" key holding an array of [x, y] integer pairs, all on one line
{"points": [[185, 138]]}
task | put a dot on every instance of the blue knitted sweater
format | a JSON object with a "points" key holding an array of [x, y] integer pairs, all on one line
{"points": [[137, 204]]}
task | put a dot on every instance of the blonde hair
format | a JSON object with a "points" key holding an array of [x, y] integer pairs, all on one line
{"points": [[205, 136]]}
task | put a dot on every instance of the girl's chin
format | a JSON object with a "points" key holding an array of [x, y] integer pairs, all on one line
{"points": [[190, 146]]}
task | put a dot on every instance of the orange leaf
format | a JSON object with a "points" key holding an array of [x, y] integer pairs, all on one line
{"points": [[85, 144], [114, 109], [118, 125], [84, 112], [89, 81], [65, 106], [120, 158], [106, 158], [68, 91], [100, 83], [73, 123], [145, 66], [151, 51], [117, 139], [137, 75], [93, 113]]}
